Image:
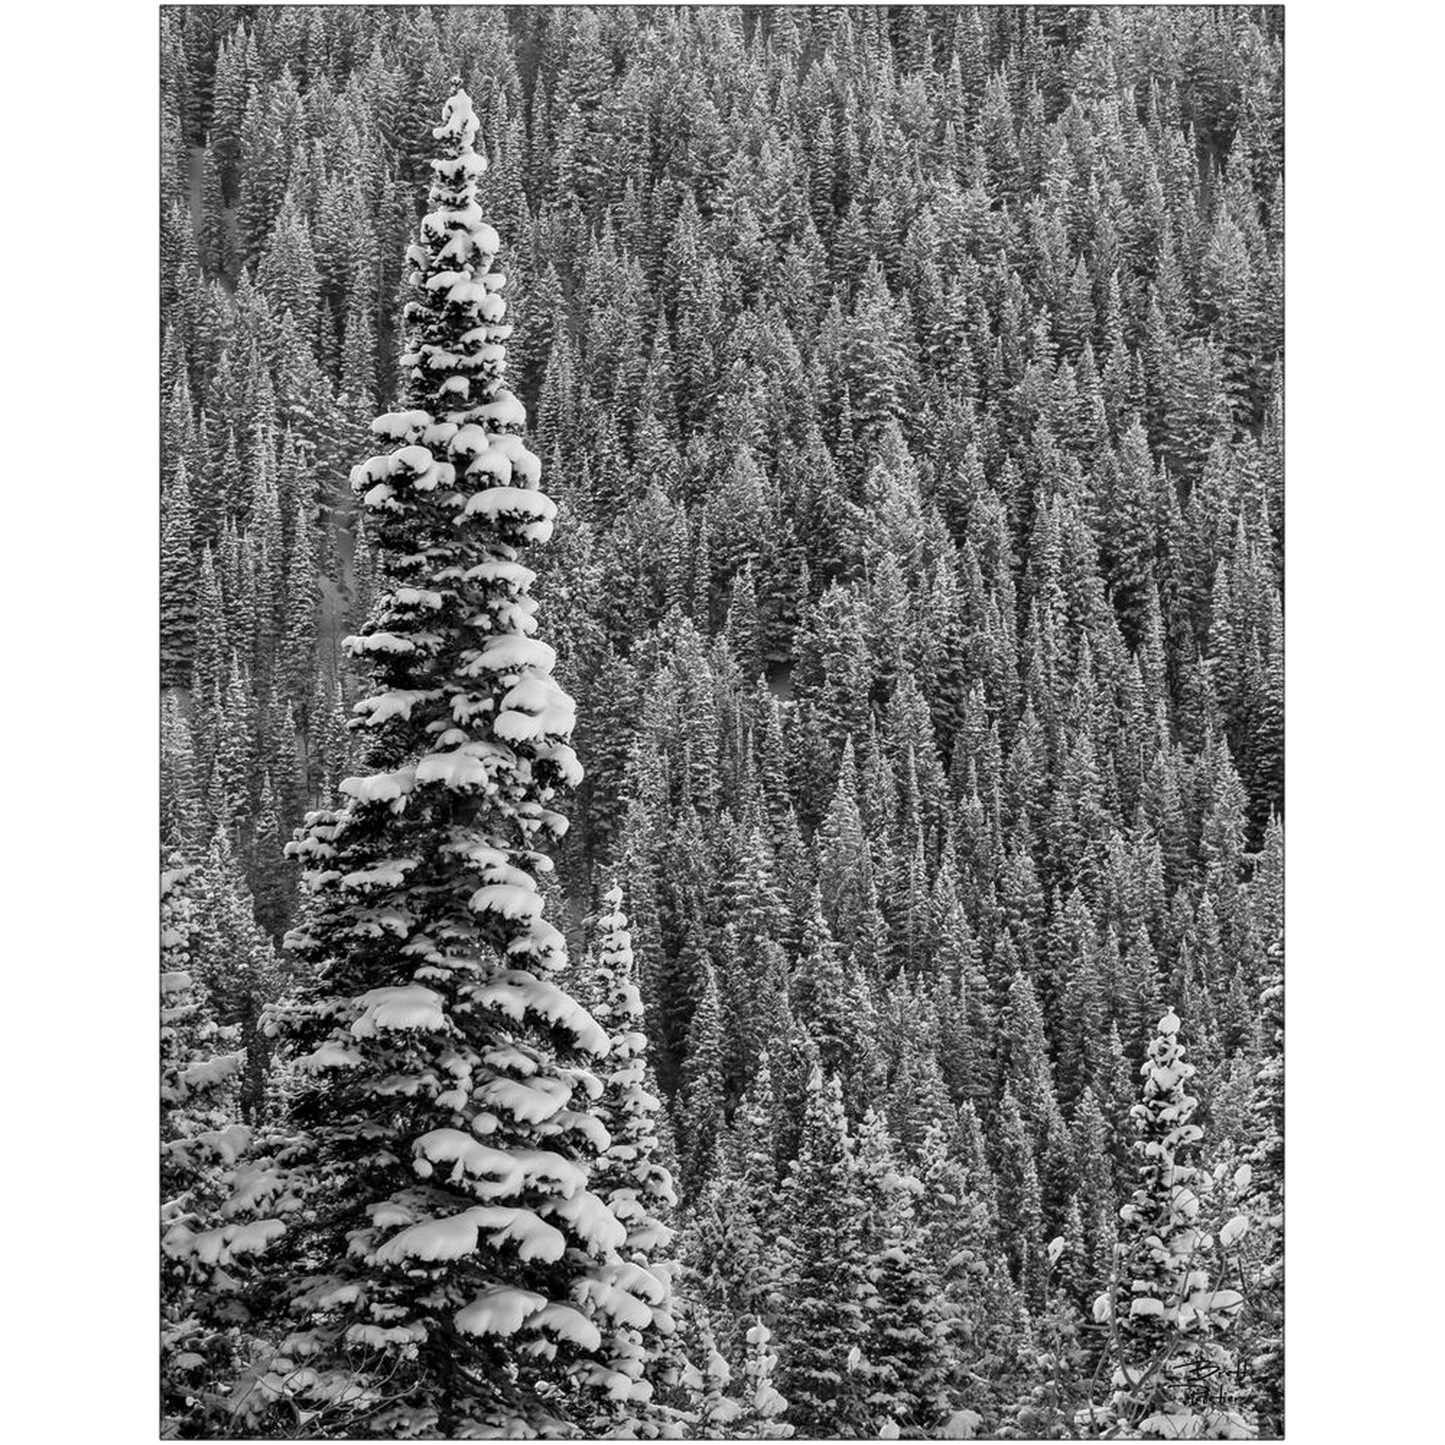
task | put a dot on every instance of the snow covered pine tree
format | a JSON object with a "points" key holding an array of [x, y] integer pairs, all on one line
{"points": [[446, 1268], [638, 1190], [1174, 1377], [200, 1142]]}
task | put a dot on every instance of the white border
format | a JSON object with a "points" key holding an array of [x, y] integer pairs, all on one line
{"points": [[81, 350]]}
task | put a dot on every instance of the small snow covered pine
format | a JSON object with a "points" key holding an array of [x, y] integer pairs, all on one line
{"points": [[711, 1412], [232, 956], [637, 1189], [1020, 1200], [823, 1285], [1173, 1376], [904, 1312], [975, 1293], [726, 1404], [200, 1069], [447, 1262], [1262, 1183], [200, 1142], [730, 1262], [181, 802], [178, 581], [700, 1101], [763, 1407]]}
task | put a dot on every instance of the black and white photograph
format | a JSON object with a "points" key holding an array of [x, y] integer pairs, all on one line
{"points": [[721, 722]]}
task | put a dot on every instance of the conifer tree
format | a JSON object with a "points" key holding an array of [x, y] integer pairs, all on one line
{"points": [[178, 581], [732, 1265], [1264, 1196], [448, 1259], [201, 1140], [633, 1181], [1174, 1377], [763, 1407], [904, 1319], [828, 1000], [701, 1092], [182, 820], [1021, 1209], [821, 1319], [233, 958]]}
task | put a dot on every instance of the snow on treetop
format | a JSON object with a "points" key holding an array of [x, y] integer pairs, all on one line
{"points": [[396, 703], [451, 218], [642, 1282], [468, 766], [439, 279], [469, 440], [488, 857], [417, 597], [591, 1218], [329, 1056], [508, 464], [459, 120], [220, 1246], [466, 167], [541, 941], [463, 291], [379, 642]]}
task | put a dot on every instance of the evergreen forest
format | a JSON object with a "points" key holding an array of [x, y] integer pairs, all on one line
{"points": [[721, 722]]}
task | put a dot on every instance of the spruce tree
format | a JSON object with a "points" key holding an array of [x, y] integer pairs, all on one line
{"points": [[178, 581], [633, 1181], [201, 1140], [1174, 1377], [821, 1322], [763, 1407], [1264, 1197], [447, 1264], [701, 1093], [904, 1317]]}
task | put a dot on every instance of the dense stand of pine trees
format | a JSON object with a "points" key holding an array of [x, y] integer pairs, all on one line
{"points": [[906, 385]]}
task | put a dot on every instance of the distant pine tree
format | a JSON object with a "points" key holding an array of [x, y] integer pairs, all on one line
{"points": [[178, 581], [821, 1321]]}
